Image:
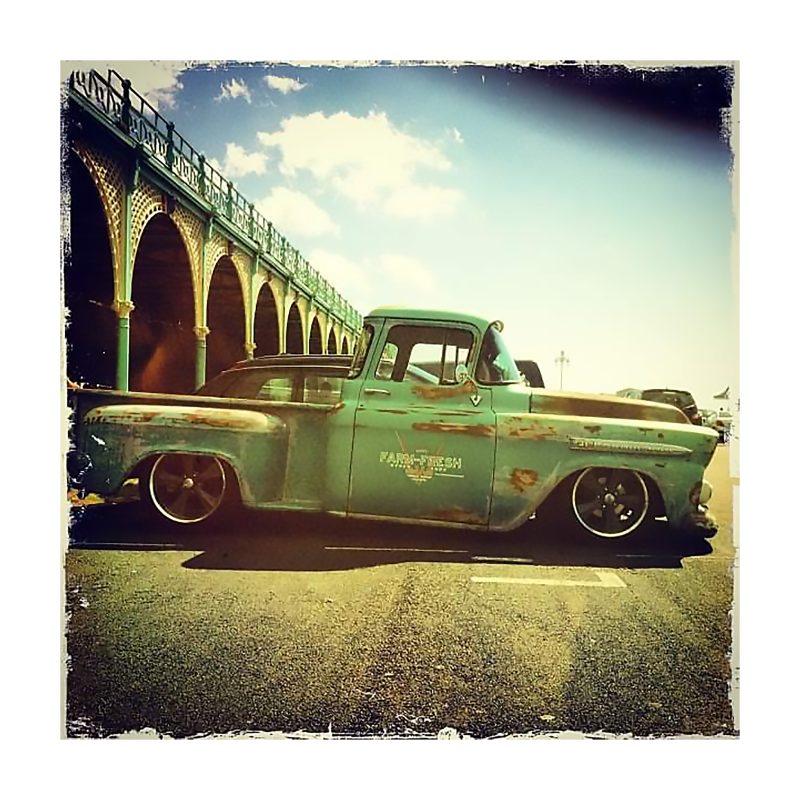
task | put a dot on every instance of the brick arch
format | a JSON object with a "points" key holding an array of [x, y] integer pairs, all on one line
{"points": [[266, 328], [89, 285], [226, 316], [315, 340], [295, 329], [108, 180], [162, 339]]}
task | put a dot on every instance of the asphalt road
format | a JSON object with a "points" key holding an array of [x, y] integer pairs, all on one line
{"points": [[297, 623]]}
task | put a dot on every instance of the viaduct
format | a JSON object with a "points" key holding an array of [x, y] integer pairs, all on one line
{"points": [[169, 273]]}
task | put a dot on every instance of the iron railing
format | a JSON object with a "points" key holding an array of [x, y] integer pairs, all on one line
{"points": [[127, 110]]}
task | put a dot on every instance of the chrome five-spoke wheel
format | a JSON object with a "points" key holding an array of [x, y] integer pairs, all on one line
{"points": [[610, 502], [185, 487]]}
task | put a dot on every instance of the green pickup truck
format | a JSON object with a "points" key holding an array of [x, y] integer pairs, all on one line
{"points": [[465, 444]]}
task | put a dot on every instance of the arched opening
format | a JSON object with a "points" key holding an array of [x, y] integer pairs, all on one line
{"points": [[315, 337], [91, 322], [162, 349], [294, 331], [225, 315], [331, 343], [266, 324], [345, 347]]}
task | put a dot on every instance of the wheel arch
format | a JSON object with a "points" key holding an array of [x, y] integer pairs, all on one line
{"points": [[550, 506], [141, 469]]}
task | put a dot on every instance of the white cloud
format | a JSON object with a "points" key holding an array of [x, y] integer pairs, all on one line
{"points": [[284, 85], [408, 274], [421, 201], [341, 272], [366, 159], [238, 162], [457, 137], [351, 279], [232, 90], [157, 81], [294, 213]]}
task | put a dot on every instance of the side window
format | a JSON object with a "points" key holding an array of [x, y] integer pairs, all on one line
{"points": [[322, 389], [387, 362], [424, 354], [277, 388]]}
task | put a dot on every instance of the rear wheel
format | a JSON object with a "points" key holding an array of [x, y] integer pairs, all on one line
{"points": [[186, 488], [610, 503]]}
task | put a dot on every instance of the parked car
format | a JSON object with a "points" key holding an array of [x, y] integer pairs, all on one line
{"points": [[532, 374], [675, 397], [708, 416], [287, 378], [291, 379], [723, 424], [385, 439]]}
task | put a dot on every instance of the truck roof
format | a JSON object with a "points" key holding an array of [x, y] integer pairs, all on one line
{"points": [[429, 314]]}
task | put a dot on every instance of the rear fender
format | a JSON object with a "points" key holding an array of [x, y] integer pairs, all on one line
{"points": [[120, 441]]}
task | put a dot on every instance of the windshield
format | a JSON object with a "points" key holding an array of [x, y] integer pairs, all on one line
{"points": [[675, 398], [495, 364]]}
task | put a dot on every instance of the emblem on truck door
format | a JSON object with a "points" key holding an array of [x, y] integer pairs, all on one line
{"points": [[420, 465]]}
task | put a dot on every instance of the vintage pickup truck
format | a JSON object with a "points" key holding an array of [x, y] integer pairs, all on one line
{"points": [[467, 444]]}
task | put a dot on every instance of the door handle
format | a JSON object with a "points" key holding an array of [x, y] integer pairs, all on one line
{"points": [[377, 391]]}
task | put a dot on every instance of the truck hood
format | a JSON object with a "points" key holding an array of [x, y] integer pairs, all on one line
{"points": [[599, 405]]}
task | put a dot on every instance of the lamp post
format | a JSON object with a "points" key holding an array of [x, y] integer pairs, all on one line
{"points": [[561, 360]]}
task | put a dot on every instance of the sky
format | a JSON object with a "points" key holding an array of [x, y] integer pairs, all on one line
{"points": [[592, 215]]}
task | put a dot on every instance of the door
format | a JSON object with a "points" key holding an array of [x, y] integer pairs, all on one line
{"points": [[424, 445]]}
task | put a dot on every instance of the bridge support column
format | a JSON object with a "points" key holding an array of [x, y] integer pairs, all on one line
{"points": [[123, 309], [201, 332]]}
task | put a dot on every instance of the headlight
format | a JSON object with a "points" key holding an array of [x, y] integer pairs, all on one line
{"points": [[701, 493]]}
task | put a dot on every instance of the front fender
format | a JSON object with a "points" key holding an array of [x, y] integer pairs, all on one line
{"points": [[535, 453]]}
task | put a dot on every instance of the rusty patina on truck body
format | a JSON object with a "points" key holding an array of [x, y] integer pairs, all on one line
{"points": [[471, 445]]}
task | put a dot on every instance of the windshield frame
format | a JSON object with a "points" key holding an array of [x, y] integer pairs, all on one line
{"points": [[361, 350], [502, 361]]}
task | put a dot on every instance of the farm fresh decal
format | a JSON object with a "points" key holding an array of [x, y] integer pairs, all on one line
{"points": [[420, 465]]}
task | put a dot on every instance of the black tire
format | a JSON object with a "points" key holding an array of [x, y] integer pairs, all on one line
{"points": [[610, 503], [187, 488]]}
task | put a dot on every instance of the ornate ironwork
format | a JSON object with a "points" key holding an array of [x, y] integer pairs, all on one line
{"points": [[131, 113]]}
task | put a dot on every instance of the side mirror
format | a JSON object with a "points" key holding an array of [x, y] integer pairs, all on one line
{"points": [[462, 374], [464, 378]]}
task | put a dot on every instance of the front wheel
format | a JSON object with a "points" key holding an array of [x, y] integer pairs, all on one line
{"points": [[186, 488], [610, 503]]}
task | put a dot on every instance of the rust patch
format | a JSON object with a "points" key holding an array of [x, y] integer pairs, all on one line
{"points": [[533, 431], [593, 428], [599, 406], [522, 479], [440, 392], [214, 421], [131, 418], [458, 515], [454, 427]]}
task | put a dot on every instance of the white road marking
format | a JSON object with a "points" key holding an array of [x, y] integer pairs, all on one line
{"points": [[129, 546], [607, 580], [503, 559], [396, 550]]}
